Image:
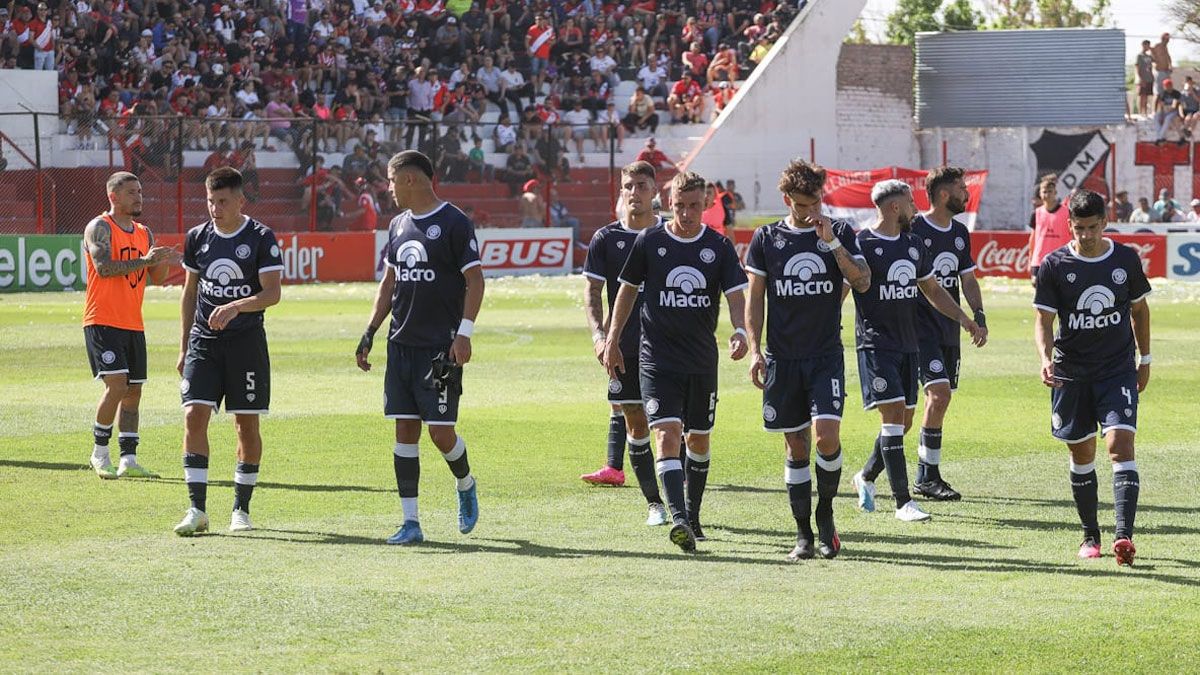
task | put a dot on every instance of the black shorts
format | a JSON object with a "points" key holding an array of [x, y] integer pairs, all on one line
{"points": [[799, 391], [627, 388], [687, 398], [234, 369], [888, 377], [940, 363], [1077, 408], [408, 388], [115, 350]]}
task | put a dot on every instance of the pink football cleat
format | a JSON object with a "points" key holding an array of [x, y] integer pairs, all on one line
{"points": [[605, 476], [1089, 549], [1124, 551]]}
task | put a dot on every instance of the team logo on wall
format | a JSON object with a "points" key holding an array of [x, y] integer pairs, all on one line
{"points": [[1078, 159]]}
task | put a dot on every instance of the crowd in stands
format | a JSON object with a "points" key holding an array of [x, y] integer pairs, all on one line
{"points": [[230, 77], [1164, 210]]}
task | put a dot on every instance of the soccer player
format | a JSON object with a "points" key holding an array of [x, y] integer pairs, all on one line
{"points": [[433, 288], [1097, 290], [234, 271], [682, 268], [885, 331], [121, 255], [948, 245], [797, 266], [606, 257]]}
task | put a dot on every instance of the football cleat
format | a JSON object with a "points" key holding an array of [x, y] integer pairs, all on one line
{"points": [[937, 490], [911, 512], [132, 470], [409, 533], [1124, 551], [830, 550], [682, 537], [696, 531], [657, 515], [605, 476], [468, 509], [866, 492], [803, 551], [240, 521], [194, 522], [1090, 548], [103, 468]]}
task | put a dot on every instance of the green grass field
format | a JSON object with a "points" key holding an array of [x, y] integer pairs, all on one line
{"points": [[558, 576]]}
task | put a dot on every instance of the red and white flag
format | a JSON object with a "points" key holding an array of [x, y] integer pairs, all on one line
{"points": [[848, 193]]}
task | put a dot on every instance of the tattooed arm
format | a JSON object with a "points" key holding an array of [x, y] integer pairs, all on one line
{"points": [[593, 302], [98, 238]]}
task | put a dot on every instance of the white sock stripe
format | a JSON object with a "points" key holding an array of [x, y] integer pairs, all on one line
{"points": [[194, 475], [929, 455], [891, 429], [829, 464], [460, 447], [1081, 469], [128, 434], [1131, 465], [407, 450], [697, 457], [409, 506], [245, 478], [638, 441], [793, 476], [669, 465], [102, 426]]}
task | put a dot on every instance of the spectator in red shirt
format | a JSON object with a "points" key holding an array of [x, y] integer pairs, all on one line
{"points": [[218, 158], [538, 41], [654, 156], [366, 211], [696, 63], [686, 100]]}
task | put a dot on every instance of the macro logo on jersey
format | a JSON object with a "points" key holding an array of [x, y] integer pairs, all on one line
{"points": [[899, 283], [1095, 309], [944, 267], [690, 284], [409, 255], [221, 279], [798, 275]]}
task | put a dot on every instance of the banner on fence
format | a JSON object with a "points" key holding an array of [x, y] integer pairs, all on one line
{"points": [[41, 263], [1183, 256]]}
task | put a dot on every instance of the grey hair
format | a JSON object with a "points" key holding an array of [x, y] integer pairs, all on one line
{"points": [[887, 189]]}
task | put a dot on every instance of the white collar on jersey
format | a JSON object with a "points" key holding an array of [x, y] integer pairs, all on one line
{"points": [[657, 221], [939, 228], [875, 231], [790, 227], [231, 235], [680, 239], [1102, 256], [418, 216]]}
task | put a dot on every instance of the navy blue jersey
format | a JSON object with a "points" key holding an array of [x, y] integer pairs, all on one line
{"points": [[1091, 297], [804, 287], [887, 311], [682, 281], [429, 254], [949, 251], [229, 265], [606, 257]]}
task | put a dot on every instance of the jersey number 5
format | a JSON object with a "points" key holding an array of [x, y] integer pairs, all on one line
{"points": [[250, 381]]}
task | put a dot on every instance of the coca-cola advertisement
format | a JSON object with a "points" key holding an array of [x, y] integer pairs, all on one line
{"points": [[1006, 254]]}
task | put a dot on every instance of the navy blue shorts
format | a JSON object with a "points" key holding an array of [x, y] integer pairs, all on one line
{"points": [[888, 377], [688, 398], [940, 363], [627, 388], [234, 369], [799, 391], [408, 388], [113, 351], [1079, 407]]}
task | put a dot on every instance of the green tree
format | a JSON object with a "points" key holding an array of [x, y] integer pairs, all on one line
{"points": [[1008, 14], [912, 17], [858, 34], [1186, 15], [959, 15]]}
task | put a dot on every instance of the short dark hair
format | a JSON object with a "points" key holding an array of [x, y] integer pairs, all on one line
{"points": [[118, 179], [639, 168], [1051, 178], [941, 177], [224, 177], [801, 177], [413, 158], [1086, 204]]}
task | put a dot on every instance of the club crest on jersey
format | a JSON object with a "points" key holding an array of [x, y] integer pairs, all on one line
{"points": [[879, 385], [959, 243], [822, 246], [936, 366], [204, 248], [1095, 309], [473, 244], [780, 243], [707, 255], [878, 251], [242, 251], [1113, 418], [108, 357], [250, 396], [798, 273], [899, 283], [442, 408], [1056, 421], [1070, 277], [1129, 412], [1119, 276], [614, 386], [275, 250], [768, 413], [685, 285], [651, 406], [433, 232], [220, 279], [914, 253], [837, 405], [409, 255], [621, 245], [184, 386], [928, 243], [661, 251]]}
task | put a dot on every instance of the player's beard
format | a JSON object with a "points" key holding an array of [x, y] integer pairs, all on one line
{"points": [[956, 206], [135, 211]]}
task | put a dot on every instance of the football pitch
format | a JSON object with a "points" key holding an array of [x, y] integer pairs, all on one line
{"points": [[557, 575]]}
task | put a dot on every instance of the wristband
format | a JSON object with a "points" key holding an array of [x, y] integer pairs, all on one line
{"points": [[598, 336], [833, 245], [372, 330], [466, 328], [1144, 360], [981, 318], [739, 331]]}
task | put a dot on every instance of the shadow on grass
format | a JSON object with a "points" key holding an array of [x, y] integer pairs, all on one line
{"points": [[527, 548], [1057, 525], [865, 537]]}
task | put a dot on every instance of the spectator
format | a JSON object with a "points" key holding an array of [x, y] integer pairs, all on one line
{"points": [[1193, 216], [504, 135], [578, 121], [561, 217], [488, 76], [1162, 63], [366, 212], [354, 166], [531, 206], [608, 125], [518, 169], [654, 156], [642, 114], [1122, 208], [453, 161], [1167, 109], [1189, 106], [479, 163], [41, 38], [714, 214], [695, 63], [244, 161], [738, 203], [1145, 78], [1143, 213], [217, 158], [1164, 199], [760, 51], [652, 79], [1170, 214], [686, 100], [514, 86], [604, 64], [538, 41]]}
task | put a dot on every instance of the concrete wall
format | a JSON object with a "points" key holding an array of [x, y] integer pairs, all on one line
{"points": [[875, 107], [20, 92]]}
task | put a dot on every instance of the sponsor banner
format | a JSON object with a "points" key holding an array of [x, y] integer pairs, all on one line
{"points": [[848, 193], [309, 256], [41, 263], [1183, 256], [1006, 254], [539, 250]]}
